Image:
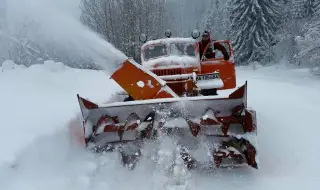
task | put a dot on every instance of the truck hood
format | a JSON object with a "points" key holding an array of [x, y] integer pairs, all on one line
{"points": [[172, 62]]}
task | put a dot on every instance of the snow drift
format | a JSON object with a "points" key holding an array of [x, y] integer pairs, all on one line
{"points": [[37, 103]]}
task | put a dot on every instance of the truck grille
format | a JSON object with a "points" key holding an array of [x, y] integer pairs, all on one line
{"points": [[164, 72], [177, 86]]}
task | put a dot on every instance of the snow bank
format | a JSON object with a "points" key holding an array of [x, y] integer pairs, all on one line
{"points": [[54, 66], [56, 150], [283, 69], [36, 101], [48, 65], [315, 71], [255, 65], [284, 73], [8, 65]]}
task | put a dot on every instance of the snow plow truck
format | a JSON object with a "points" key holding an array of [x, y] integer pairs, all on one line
{"points": [[173, 93]]}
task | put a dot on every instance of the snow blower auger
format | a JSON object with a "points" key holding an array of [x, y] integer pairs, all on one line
{"points": [[174, 92]]}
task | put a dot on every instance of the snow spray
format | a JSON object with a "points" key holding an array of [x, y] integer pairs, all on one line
{"points": [[58, 24]]}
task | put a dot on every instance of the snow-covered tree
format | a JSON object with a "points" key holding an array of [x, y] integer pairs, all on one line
{"points": [[309, 45], [297, 16], [253, 27], [216, 19], [187, 15], [300, 9], [310, 8], [317, 8], [292, 9], [121, 22]]}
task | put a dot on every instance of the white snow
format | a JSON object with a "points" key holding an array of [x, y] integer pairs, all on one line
{"points": [[209, 114], [36, 104], [168, 41], [140, 84], [150, 84], [177, 122], [171, 61], [8, 65], [60, 27], [28, 94], [54, 66]]}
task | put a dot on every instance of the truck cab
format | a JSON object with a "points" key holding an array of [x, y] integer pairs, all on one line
{"points": [[170, 53], [178, 62]]}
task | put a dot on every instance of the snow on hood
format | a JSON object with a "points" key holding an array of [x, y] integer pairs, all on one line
{"points": [[167, 41], [172, 61]]}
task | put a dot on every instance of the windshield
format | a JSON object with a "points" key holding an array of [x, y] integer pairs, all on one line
{"points": [[183, 49], [155, 51]]}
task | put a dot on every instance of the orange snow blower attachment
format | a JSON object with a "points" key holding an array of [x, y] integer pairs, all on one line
{"points": [[173, 93], [226, 119], [140, 83]]}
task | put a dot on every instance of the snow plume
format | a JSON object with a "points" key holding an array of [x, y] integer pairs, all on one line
{"points": [[57, 24]]}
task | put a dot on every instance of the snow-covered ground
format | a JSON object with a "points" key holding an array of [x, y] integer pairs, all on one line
{"points": [[37, 103]]}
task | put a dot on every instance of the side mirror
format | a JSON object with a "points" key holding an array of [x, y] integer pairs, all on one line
{"points": [[195, 34], [168, 33], [143, 38]]}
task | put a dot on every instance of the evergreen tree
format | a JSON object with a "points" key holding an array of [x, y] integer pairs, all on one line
{"points": [[310, 8], [253, 27], [216, 19], [297, 9], [309, 45], [292, 10], [317, 6]]}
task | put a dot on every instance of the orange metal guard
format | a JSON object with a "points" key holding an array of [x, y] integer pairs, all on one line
{"points": [[141, 84]]}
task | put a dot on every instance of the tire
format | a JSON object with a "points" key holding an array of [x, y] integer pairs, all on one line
{"points": [[209, 92], [127, 99]]}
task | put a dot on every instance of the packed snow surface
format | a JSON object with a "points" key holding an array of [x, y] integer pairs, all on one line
{"points": [[38, 102]]}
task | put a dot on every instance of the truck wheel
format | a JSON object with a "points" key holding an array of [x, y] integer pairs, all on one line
{"points": [[209, 92], [127, 99]]}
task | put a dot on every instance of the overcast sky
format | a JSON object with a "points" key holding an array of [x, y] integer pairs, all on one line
{"points": [[2, 3]]}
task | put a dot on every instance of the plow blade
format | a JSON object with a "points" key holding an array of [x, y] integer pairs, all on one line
{"points": [[226, 123]]}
